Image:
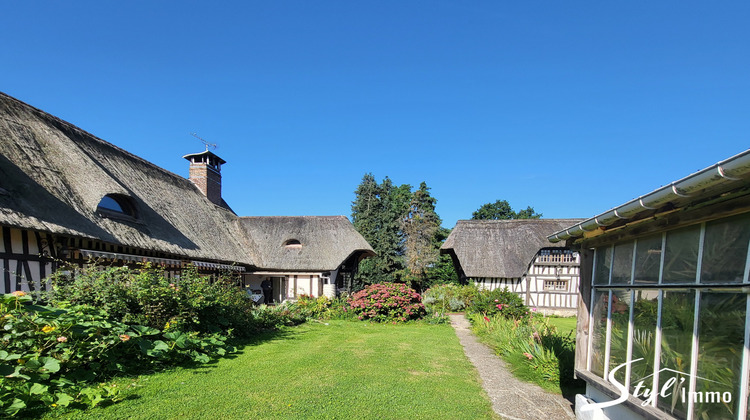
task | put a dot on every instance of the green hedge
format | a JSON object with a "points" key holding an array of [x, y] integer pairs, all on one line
{"points": [[145, 296]]}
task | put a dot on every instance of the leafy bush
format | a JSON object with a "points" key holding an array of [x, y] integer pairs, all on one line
{"points": [[56, 357], [436, 318], [387, 302], [499, 301], [271, 317], [312, 307], [449, 298], [324, 308], [145, 296], [341, 309]]}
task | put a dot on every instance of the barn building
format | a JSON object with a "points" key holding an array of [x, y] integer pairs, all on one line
{"points": [[68, 197], [516, 255], [664, 311]]}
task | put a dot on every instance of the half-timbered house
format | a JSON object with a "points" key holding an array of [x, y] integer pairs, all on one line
{"points": [[515, 254], [664, 312], [67, 196], [305, 255]]}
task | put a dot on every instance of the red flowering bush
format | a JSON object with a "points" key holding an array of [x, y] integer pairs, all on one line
{"points": [[387, 302]]}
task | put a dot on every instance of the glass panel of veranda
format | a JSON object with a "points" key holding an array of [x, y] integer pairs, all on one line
{"points": [[630, 333]]}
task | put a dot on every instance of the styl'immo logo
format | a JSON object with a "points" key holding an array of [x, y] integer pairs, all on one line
{"points": [[666, 390]]}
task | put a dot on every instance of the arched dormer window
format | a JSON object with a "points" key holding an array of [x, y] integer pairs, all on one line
{"points": [[292, 244], [117, 206]]}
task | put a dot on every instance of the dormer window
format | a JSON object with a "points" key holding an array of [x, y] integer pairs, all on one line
{"points": [[117, 206], [292, 244]]}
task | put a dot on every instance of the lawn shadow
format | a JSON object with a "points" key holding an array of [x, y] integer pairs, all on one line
{"points": [[242, 344]]}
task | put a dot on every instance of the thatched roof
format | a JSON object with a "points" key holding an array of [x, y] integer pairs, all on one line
{"points": [[325, 241], [55, 175], [500, 248]]}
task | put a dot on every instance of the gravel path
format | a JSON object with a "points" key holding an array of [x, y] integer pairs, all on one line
{"points": [[511, 398]]}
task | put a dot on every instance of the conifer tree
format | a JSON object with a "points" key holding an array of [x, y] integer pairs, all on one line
{"points": [[365, 218], [376, 214]]}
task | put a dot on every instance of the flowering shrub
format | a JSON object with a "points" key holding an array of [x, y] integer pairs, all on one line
{"points": [[387, 302], [500, 301]]}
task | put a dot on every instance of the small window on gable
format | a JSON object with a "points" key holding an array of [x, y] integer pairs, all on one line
{"points": [[117, 205], [292, 244]]}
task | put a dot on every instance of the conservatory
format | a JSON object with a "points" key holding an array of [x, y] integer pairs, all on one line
{"points": [[664, 313]]}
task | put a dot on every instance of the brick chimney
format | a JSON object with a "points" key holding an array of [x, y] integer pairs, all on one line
{"points": [[205, 173]]}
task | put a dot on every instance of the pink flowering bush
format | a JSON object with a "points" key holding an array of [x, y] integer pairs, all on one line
{"points": [[387, 302]]}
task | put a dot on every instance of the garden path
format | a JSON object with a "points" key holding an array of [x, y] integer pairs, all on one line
{"points": [[511, 398]]}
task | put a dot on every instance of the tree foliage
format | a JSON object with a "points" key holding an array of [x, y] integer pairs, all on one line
{"points": [[404, 229], [376, 214], [420, 225], [501, 210]]}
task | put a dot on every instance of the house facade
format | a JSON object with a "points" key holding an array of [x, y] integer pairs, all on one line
{"points": [[304, 255], [665, 300], [515, 254], [70, 198]]}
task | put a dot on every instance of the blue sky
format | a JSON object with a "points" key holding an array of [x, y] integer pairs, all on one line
{"points": [[570, 107]]}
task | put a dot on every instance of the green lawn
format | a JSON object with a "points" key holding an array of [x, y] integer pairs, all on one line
{"points": [[344, 370], [564, 325]]}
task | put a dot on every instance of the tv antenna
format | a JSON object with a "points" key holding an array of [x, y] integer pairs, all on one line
{"points": [[205, 142]]}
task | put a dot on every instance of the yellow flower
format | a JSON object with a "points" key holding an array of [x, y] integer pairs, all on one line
{"points": [[47, 328], [124, 337], [18, 293]]}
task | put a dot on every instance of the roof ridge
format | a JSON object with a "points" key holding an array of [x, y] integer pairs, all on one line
{"points": [[45, 114], [295, 217], [517, 220]]}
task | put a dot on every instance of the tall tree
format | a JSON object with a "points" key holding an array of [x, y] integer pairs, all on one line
{"points": [[376, 214], [420, 226], [404, 230], [394, 203], [365, 214], [366, 207], [501, 210]]}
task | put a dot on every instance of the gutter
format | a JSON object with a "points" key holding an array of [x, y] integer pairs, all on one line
{"points": [[736, 168]]}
